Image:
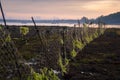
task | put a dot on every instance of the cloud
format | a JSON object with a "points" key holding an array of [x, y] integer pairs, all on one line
{"points": [[94, 5], [59, 8]]}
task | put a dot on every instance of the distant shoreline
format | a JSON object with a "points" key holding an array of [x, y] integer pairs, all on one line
{"points": [[60, 26]]}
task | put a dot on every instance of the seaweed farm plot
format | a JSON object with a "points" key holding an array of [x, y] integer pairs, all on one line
{"points": [[42, 53], [99, 60], [11, 66]]}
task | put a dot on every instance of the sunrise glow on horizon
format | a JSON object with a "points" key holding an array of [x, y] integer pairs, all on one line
{"points": [[59, 9]]}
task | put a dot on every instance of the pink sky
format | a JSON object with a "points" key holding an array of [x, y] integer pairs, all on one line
{"points": [[62, 9]]}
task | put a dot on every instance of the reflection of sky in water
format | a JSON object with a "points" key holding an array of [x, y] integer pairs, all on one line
{"points": [[61, 24], [113, 26]]}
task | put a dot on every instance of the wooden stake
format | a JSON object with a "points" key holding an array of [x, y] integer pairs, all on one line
{"points": [[3, 16]]}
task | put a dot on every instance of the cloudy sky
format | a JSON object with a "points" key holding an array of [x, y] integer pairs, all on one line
{"points": [[62, 9]]}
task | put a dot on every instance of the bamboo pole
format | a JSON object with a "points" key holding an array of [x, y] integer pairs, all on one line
{"points": [[37, 30], [11, 45], [3, 16]]}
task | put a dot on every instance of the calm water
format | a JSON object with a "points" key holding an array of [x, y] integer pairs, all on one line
{"points": [[58, 24]]}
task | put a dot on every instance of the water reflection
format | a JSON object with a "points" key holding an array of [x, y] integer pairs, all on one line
{"points": [[60, 24]]}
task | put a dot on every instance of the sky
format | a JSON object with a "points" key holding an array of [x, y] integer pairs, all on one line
{"points": [[58, 9]]}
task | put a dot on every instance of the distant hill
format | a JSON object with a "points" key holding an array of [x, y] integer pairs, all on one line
{"points": [[110, 19]]}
